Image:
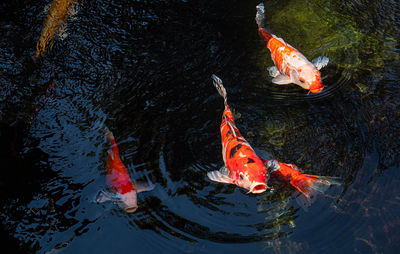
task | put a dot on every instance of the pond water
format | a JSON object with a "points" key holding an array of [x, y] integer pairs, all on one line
{"points": [[143, 69]]}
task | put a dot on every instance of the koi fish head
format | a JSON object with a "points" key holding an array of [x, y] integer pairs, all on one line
{"points": [[312, 82], [128, 201], [253, 179], [309, 78]]}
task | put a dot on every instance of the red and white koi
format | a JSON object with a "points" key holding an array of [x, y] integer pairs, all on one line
{"points": [[121, 189], [290, 65], [242, 166], [309, 185]]}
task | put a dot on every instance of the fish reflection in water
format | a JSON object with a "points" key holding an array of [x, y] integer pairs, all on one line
{"points": [[54, 24], [121, 189]]}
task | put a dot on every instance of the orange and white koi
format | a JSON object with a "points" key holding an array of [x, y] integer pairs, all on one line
{"points": [[242, 166], [309, 185], [54, 23], [121, 189], [290, 65]]}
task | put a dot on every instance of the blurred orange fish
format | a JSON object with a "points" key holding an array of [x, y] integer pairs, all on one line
{"points": [[56, 19], [290, 65], [121, 188]]}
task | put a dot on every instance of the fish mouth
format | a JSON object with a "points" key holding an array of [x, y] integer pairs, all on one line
{"points": [[316, 87], [258, 188], [317, 90], [131, 209]]}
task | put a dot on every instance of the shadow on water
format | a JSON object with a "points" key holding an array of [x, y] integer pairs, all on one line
{"points": [[143, 68]]}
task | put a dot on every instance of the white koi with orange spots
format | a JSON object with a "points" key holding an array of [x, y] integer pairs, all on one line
{"points": [[290, 65]]}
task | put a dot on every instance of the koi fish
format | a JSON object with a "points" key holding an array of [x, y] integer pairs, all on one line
{"points": [[290, 65], [55, 22], [309, 185], [242, 166], [121, 189]]}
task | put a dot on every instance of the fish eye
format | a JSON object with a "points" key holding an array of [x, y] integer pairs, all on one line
{"points": [[241, 175]]}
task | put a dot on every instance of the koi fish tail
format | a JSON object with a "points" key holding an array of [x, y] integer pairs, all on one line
{"points": [[220, 88], [310, 185], [109, 135], [260, 17]]}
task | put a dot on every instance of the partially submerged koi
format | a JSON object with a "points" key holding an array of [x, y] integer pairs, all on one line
{"points": [[54, 23], [309, 185], [290, 65], [242, 166], [121, 189]]}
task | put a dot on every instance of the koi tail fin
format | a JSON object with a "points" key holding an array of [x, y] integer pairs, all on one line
{"points": [[260, 16], [109, 135], [220, 88], [310, 185]]}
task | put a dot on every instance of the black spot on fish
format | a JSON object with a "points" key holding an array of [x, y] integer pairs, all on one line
{"points": [[250, 161], [234, 150], [228, 133]]}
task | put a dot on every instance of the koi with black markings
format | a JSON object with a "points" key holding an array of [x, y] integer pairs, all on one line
{"points": [[242, 166]]}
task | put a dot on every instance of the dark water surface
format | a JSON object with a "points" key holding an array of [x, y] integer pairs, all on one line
{"points": [[143, 68]]}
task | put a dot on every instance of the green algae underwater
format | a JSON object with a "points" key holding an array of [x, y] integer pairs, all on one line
{"points": [[143, 68]]}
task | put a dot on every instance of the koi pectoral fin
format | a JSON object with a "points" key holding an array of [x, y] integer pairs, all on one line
{"points": [[221, 175], [106, 195], [273, 71], [296, 79], [282, 80], [143, 186], [320, 62]]}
